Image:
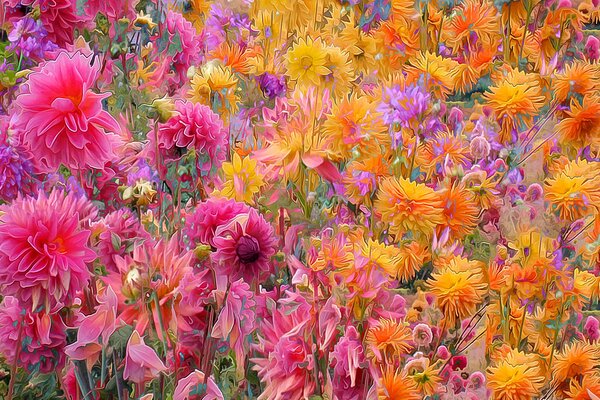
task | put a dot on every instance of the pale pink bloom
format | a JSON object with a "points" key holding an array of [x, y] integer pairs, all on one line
{"points": [[201, 224], [94, 330], [329, 320], [60, 118], [43, 250], [192, 387], [244, 247], [237, 321], [422, 335], [41, 339], [349, 366], [141, 361]]}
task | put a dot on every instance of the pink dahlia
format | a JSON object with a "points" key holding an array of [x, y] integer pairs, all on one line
{"points": [[40, 339], [244, 247], [60, 19], [200, 226], [61, 119], [349, 366], [193, 127], [43, 250], [183, 34]]}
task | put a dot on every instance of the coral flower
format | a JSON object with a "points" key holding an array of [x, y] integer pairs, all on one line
{"points": [[201, 225], [141, 362], [244, 247], [242, 179], [409, 206], [578, 79], [516, 377], [472, 19], [60, 18], [349, 365], [411, 258], [41, 338], [388, 339], [584, 390], [397, 385], [61, 118], [43, 249], [459, 288], [576, 360], [581, 126]]}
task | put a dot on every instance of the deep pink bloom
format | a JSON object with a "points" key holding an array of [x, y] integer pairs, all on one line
{"points": [[141, 362], [591, 328], [195, 289], [200, 226], [192, 387], [113, 9], [182, 31], [196, 127], [60, 19], [349, 364], [43, 250], [60, 118], [244, 247], [95, 329], [458, 362], [41, 338]]}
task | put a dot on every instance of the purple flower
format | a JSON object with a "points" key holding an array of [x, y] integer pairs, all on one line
{"points": [[272, 85], [29, 38], [14, 172], [403, 106]]}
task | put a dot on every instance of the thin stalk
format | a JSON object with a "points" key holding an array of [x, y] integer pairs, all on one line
{"points": [[13, 367]]}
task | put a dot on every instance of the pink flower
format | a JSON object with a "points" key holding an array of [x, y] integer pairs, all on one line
{"points": [[60, 19], [193, 127], [209, 215], [61, 119], [95, 329], [195, 289], [141, 362], [237, 321], [349, 364], [41, 339], [113, 9], [43, 250], [591, 328], [422, 335], [192, 387], [244, 247], [442, 353], [592, 48], [182, 31]]}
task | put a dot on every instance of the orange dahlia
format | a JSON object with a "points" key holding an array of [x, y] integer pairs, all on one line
{"points": [[397, 385], [472, 17], [579, 78], [581, 126], [516, 377], [575, 360], [460, 211], [388, 339]]}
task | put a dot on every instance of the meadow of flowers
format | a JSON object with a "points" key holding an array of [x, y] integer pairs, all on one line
{"points": [[300, 199]]}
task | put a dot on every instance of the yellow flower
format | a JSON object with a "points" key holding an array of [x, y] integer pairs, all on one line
{"points": [[436, 73], [516, 99], [516, 377], [408, 206], [242, 179], [361, 46], [338, 80], [380, 254], [573, 196], [305, 62], [459, 288], [215, 85]]}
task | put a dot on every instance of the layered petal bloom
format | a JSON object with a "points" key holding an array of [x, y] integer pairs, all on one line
{"points": [[43, 249], [60, 118], [244, 247], [349, 366], [141, 362], [200, 226]]}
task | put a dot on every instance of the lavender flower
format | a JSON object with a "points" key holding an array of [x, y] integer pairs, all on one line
{"points": [[403, 106], [272, 85], [14, 172], [29, 39]]}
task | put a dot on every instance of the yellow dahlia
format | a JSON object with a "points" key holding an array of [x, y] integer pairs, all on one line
{"points": [[459, 288], [409, 207], [436, 73], [242, 180], [573, 196], [516, 377], [305, 62], [215, 86]]}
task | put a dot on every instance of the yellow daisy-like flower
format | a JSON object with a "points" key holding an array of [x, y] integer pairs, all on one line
{"points": [[338, 80], [388, 338], [409, 206], [438, 74], [380, 254], [305, 62], [574, 193], [215, 86], [516, 377], [515, 101], [459, 288], [576, 360], [395, 384], [361, 46], [242, 180]]}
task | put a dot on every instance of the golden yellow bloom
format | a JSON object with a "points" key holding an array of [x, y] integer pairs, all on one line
{"points": [[305, 62], [214, 86], [338, 80], [382, 255], [459, 288], [531, 245], [242, 180], [574, 195], [388, 339], [579, 78], [436, 73], [408, 206], [397, 385], [581, 126], [482, 187], [196, 12], [354, 122], [460, 211], [335, 252], [515, 101], [361, 46], [515, 377], [575, 360]]}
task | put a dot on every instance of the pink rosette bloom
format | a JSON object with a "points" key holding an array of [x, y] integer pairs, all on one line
{"points": [[95, 329], [200, 226], [244, 247], [61, 120], [182, 31], [192, 387], [196, 127], [41, 338], [349, 364], [422, 335], [141, 362], [43, 250]]}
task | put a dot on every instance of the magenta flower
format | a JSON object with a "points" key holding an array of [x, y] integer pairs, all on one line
{"points": [[349, 364], [200, 226], [141, 362], [61, 120], [60, 19], [244, 247], [43, 250], [41, 338], [182, 31]]}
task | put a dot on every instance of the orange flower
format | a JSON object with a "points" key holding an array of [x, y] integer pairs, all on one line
{"points": [[460, 211], [397, 385], [579, 78], [584, 390], [575, 360], [443, 149], [516, 377], [581, 126], [388, 339], [436, 73], [411, 259], [471, 17], [232, 55]]}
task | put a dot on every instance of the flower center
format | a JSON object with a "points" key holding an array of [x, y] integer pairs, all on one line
{"points": [[247, 249]]}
